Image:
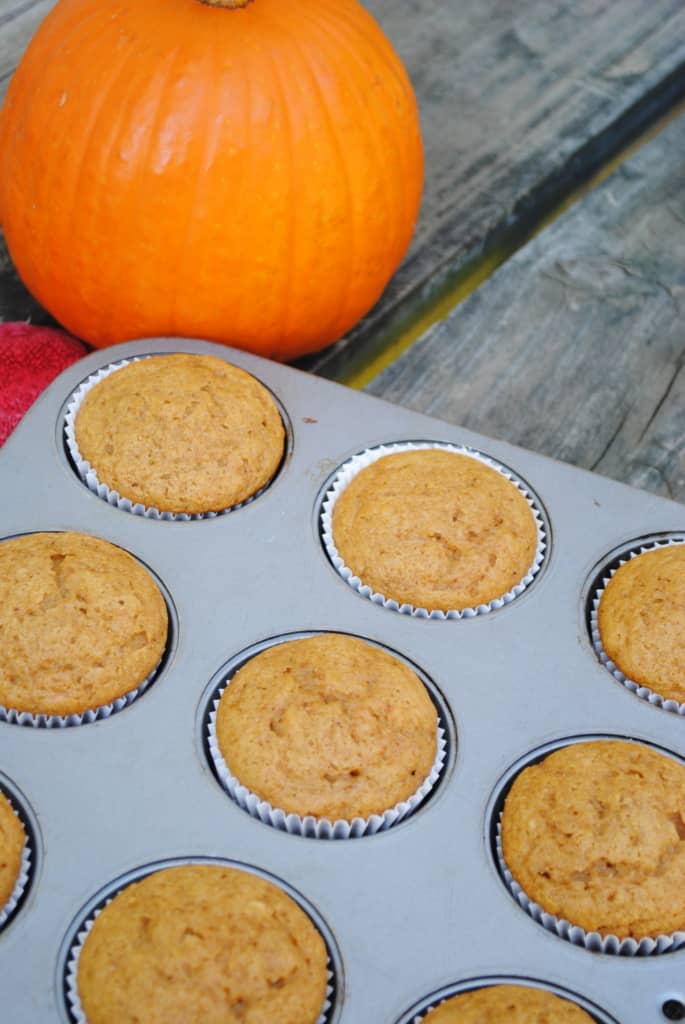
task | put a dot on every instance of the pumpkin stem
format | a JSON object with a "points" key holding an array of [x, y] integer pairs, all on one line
{"points": [[233, 4]]}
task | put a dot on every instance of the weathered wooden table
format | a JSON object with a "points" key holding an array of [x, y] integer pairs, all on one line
{"points": [[536, 304], [540, 302]]}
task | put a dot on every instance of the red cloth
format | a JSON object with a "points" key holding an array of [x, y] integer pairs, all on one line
{"points": [[30, 358]]}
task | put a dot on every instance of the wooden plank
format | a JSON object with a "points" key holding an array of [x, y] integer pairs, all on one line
{"points": [[18, 22], [519, 102], [576, 347]]}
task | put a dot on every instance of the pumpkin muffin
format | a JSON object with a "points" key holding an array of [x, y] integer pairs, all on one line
{"points": [[515, 1004], [595, 834], [641, 620], [12, 842], [328, 726], [81, 623], [435, 529], [181, 433], [202, 942]]}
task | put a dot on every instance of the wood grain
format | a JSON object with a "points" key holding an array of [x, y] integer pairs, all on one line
{"points": [[576, 346], [519, 102]]}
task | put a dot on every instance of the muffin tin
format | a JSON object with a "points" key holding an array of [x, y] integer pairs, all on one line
{"points": [[412, 913]]}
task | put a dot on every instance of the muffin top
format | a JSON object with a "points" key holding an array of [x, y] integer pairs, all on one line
{"points": [[329, 726], [435, 529], [202, 942], [12, 841], [81, 623], [595, 834], [641, 620], [181, 433], [515, 1004]]}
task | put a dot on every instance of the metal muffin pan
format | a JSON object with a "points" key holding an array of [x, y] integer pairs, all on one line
{"points": [[414, 911]]}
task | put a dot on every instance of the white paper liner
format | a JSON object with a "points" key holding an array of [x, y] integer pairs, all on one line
{"points": [[354, 465], [43, 721], [75, 1008], [424, 1013], [573, 933], [24, 871], [310, 826], [644, 692], [112, 497]]}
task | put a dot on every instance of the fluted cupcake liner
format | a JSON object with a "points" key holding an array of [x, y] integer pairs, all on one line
{"points": [[22, 881], [44, 721], [74, 1000], [349, 470], [90, 478], [309, 826], [577, 936], [424, 1013], [639, 689]]}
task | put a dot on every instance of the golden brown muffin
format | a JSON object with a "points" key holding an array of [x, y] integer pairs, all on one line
{"points": [[435, 529], [12, 842], [181, 433], [515, 1004], [81, 623], [329, 726], [641, 620], [595, 834], [202, 943]]}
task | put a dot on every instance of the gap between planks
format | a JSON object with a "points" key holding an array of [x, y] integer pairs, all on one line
{"points": [[477, 271]]}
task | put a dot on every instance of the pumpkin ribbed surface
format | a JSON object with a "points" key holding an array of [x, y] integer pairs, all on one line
{"points": [[171, 168]]}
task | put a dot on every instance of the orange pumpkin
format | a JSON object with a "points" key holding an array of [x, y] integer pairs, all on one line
{"points": [[248, 175]]}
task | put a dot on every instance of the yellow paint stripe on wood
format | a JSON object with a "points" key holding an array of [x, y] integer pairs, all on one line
{"points": [[482, 269], [612, 165], [442, 308]]}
